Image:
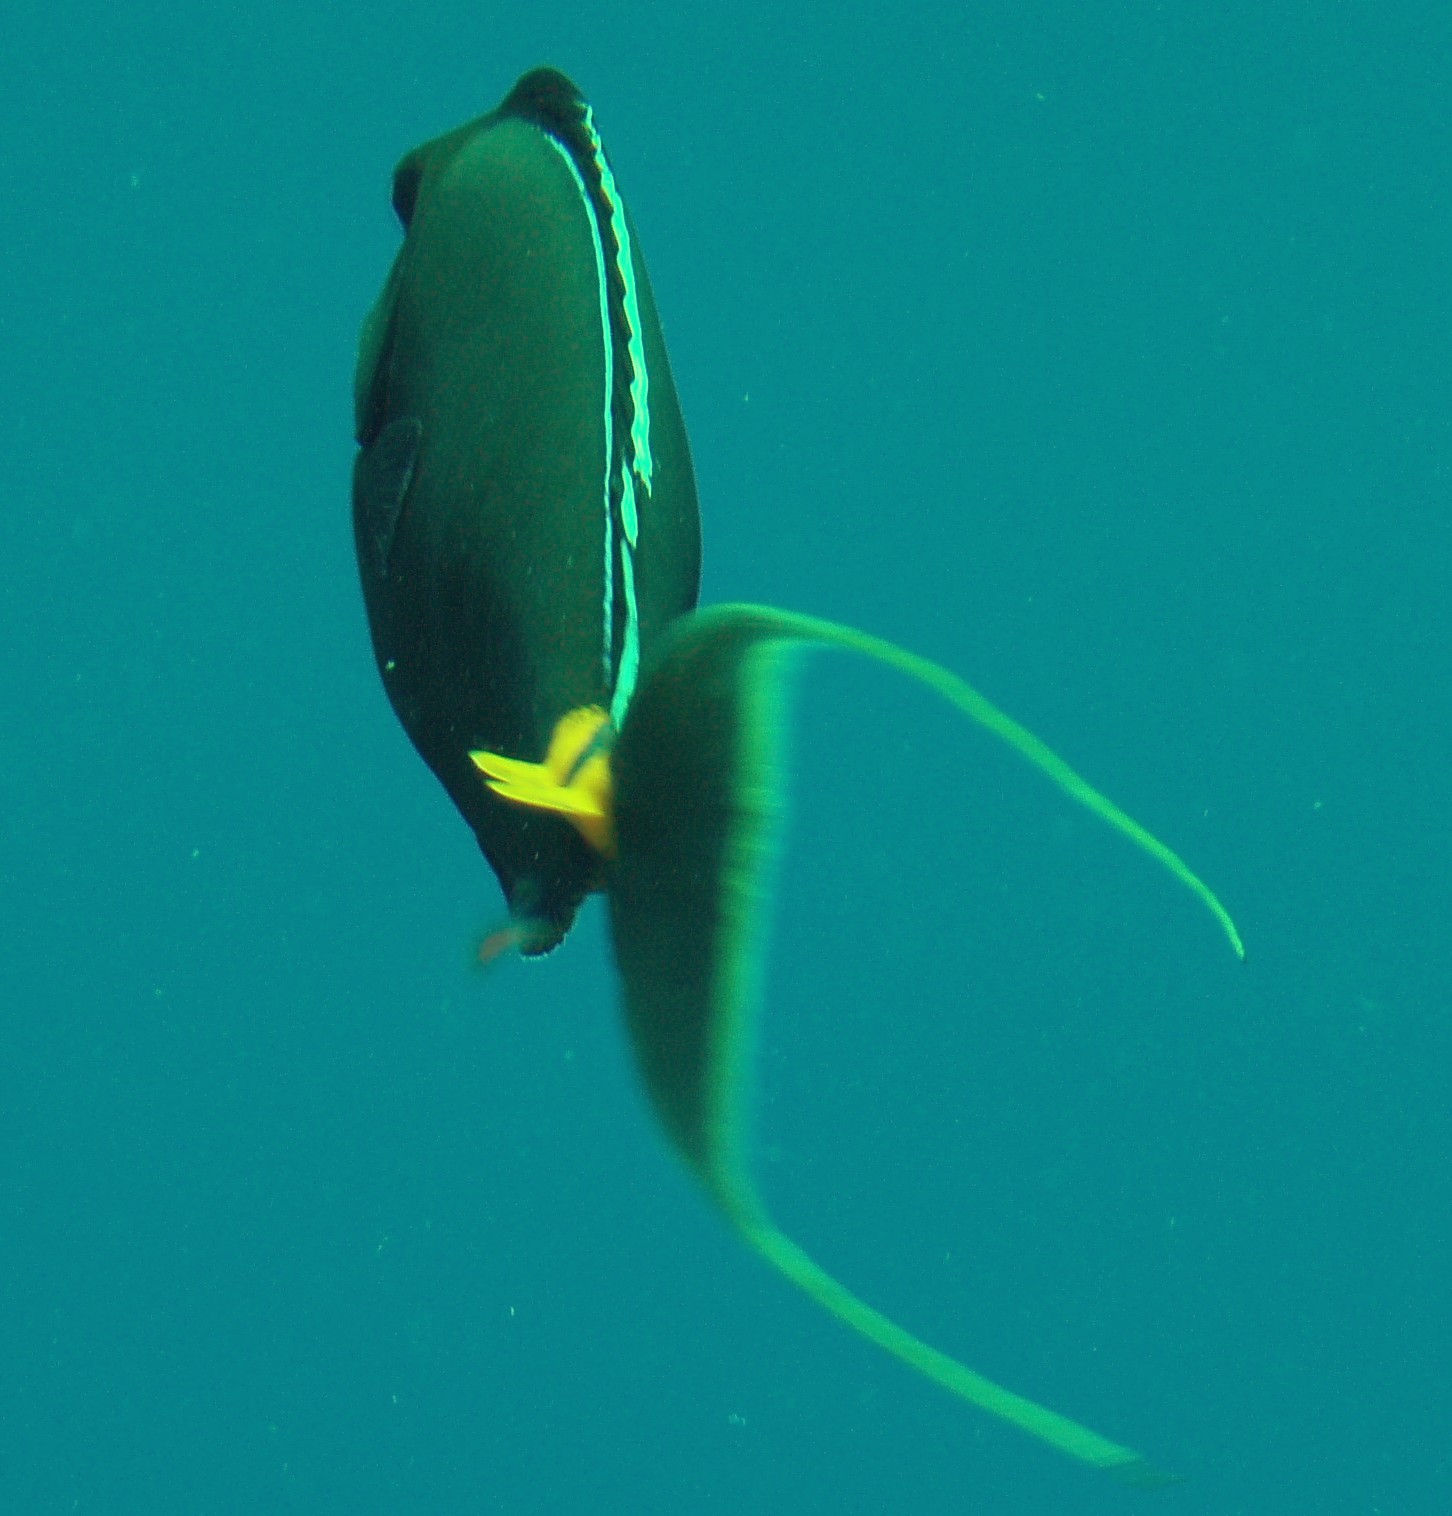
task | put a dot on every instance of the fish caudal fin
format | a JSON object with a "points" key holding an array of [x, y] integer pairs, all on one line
{"points": [[696, 805]]}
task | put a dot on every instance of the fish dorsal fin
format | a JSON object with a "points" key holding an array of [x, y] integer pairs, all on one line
{"points": [[549, 101]]}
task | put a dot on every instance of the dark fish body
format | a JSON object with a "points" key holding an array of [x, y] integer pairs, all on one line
{"points": [[524, 505]]}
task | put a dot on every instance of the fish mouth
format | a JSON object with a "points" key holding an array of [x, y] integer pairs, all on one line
{"points": [[541, 917], [538, 939]]}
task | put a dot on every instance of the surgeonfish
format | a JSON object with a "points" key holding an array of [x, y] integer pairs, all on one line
{"points": [[528, 541]]}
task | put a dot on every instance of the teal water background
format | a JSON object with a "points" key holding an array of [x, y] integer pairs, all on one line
{"points": [[1101, 353]]}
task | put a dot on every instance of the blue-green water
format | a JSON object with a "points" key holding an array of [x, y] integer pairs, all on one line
{"points": [[1100, 352]]}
